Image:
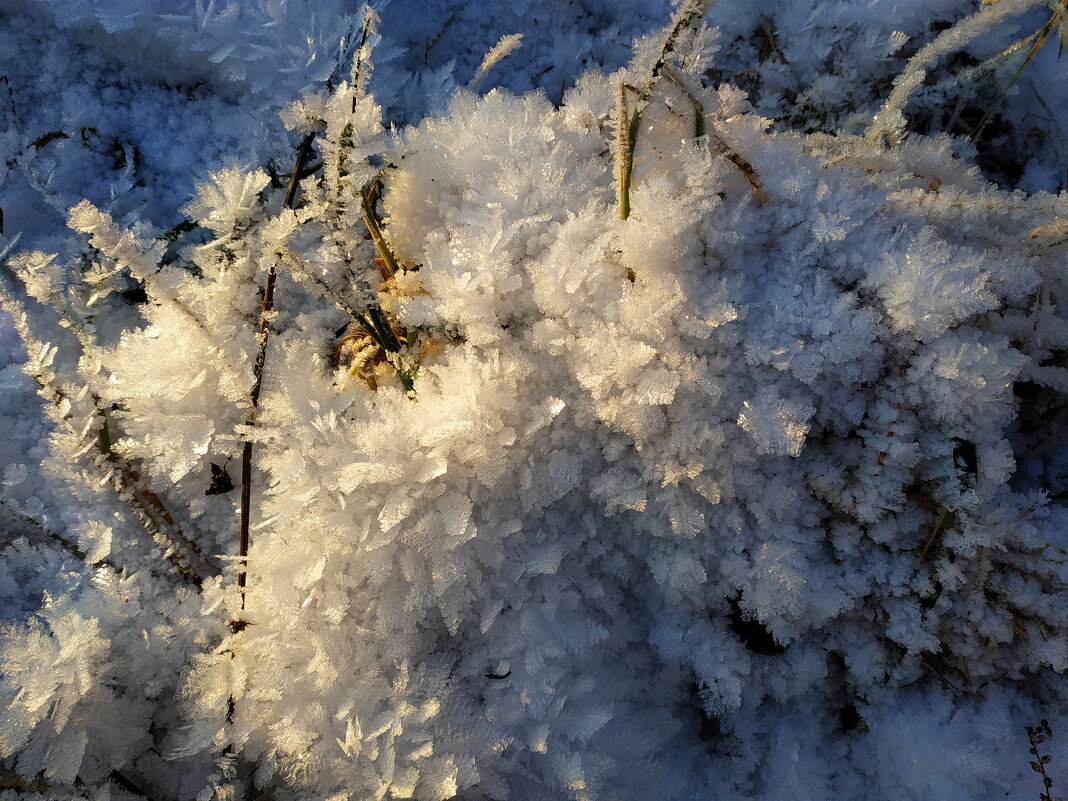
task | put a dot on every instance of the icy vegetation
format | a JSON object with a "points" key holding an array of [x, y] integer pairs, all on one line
{"points": [[690, 427]]}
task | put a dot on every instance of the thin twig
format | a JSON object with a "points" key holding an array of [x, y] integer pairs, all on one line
{"points": [[1036, 735], [744, 167], [145, 498], [387, 342], [1040, 36], [357, 62], [940, 675], [294, 177], [262, 336], [720, 146]]}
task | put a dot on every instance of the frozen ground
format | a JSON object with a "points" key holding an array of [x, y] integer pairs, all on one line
{"points": [[757, 493]]}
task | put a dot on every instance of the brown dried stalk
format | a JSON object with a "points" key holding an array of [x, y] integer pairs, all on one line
{"points": [[943, 522], [744, 167]]}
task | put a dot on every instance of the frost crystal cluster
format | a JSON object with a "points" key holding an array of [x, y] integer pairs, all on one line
{"points": [[625, 443]]}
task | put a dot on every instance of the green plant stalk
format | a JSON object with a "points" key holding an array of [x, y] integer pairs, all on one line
{"points": [[379, 329], [392, 268], [626, 165], [376, 327]]}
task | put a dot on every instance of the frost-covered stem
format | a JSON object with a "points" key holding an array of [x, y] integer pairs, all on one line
{"points": [[369, 20], [145, 505], [686, 17], [145, 499], [744, 167], [262, 336], [890, 119], [105, 238], [504, 46], [718, 144], [47, 533], [209, 341]]}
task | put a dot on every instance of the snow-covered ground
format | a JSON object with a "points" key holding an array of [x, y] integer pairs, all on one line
{"points": [[706, 441]]}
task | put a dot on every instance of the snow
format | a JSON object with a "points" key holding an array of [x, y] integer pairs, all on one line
{"points": [[755, 491]]}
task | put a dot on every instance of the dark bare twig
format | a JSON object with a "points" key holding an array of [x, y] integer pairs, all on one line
{"points": [[1036, 735], [262, 336], [294, 177]]}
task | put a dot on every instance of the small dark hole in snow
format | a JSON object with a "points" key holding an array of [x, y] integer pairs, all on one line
{"points": [[965, 458], [708, 726], [753, 633], [849, 717], [135, 296]]}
